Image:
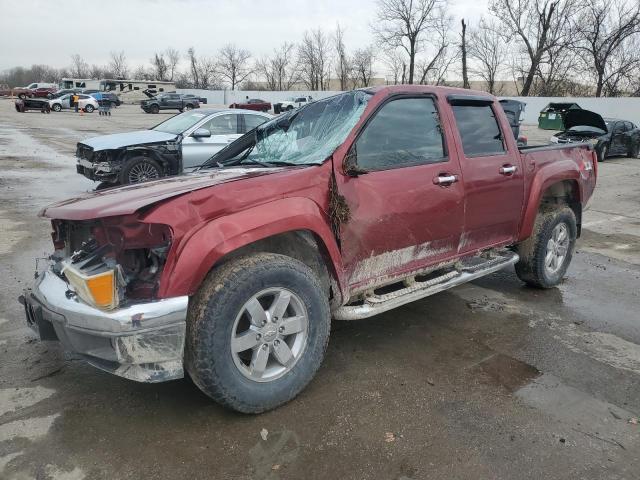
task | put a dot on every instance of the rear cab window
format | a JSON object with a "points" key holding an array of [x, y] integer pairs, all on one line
{"points": [[479, 130]]}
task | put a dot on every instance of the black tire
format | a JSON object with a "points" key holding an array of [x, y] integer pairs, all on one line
{"points": [[602, 154], [128, 173], [290, 107], [210, 322], [89, 108], [181, 110], [22, 96], [154, 109], [49, 96], [531, 267], [56, 107], [633, 152], [188, 106]]}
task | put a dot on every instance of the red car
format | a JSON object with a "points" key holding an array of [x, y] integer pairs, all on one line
{"points": [[43, 92], [368, 201], [253, 104]]}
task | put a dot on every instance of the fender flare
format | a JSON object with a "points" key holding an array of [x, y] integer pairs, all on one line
{"points": [[545, 177], [199, 250]]}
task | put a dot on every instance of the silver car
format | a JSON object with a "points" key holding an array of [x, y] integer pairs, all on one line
{"points": [[177, 145]]}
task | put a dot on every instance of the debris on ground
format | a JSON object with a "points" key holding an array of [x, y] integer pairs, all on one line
{"points": [[389, 437], [264, 433]]}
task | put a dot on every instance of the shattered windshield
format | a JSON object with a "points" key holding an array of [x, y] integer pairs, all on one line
{"points": [[178, 124], [307, 136]]}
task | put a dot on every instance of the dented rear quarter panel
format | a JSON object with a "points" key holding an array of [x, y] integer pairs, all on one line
{"points": [[547, 167]]}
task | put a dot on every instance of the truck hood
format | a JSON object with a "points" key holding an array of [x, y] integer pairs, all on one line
{"points": [[575, 118], [120, 140], [130, 198]]}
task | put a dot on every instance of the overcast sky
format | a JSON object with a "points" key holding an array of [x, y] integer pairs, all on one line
{"points": [[49, 32]]}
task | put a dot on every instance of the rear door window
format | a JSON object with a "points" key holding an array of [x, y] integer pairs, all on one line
{"points": [[479, 130], [226, 124], [252, 121]]}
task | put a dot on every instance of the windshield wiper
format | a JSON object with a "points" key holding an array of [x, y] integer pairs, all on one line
{"points": [[251, 160]]}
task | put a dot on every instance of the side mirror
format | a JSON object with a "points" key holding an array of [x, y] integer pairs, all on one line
{"points": [[350, 163], [201, 133]]}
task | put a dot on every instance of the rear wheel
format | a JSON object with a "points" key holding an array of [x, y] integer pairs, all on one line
{"points": [[188, 106], [22, 96], [140, 169], [290, 107], [546, 255], [88, 108], [257, 331]]}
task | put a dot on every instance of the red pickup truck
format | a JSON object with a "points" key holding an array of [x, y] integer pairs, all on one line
{"points": [[345, 208]]}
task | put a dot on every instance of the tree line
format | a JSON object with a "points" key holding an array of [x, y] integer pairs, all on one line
{"points": [[540, 47]]}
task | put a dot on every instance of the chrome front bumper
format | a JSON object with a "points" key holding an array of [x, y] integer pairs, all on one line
{"points": [[142, 341]]}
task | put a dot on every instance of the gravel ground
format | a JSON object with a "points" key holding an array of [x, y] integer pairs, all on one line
{"points": [[488, 380]]}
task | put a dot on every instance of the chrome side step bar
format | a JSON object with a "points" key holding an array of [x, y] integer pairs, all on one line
{"points": [[375, 304]]}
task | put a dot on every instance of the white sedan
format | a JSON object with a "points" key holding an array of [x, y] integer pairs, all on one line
{"points": [[85, 102]]}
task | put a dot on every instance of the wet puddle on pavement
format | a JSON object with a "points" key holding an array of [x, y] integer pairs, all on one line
{"points": [[505, 371]]}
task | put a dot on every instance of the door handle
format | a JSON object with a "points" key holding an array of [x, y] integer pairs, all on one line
{"points": [[445, 180], [508, 169]]}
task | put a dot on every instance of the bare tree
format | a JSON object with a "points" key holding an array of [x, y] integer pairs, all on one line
{"points": [[342, 60], [159, 66], [173, 58], [313, 60], [362, 67], [397, 66], [403, 24], [233, 64], [538, 26], [280, 70], [193, 67], [202, 72], [463, 52], [437, 57], [603, 31], [79, 67], [488, 53], [118, 64]]}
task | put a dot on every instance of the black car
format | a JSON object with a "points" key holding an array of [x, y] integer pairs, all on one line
{"points": [[609, 136], [113, 99]]}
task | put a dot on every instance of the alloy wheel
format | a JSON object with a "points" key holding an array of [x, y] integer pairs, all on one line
{"points": [[557, 248], [269, 334]]}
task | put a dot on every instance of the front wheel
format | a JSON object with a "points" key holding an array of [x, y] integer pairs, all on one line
{"points": [[56, 107], [604, 151], [546, 255], [140, 169], [188, 107], [154, 109], [257, 331]]}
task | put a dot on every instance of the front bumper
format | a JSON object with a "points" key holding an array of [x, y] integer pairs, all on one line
{"points": [[101, 172], [142, 342]]}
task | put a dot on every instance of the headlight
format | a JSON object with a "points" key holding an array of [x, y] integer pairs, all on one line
{"points": [[98, 290], [593, 141]]}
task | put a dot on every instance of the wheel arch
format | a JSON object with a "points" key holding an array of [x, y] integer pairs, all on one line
{"points": [[553, 190], [295, 227]]}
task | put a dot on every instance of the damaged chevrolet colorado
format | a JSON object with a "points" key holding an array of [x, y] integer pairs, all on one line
{"points": [[346, 208]]}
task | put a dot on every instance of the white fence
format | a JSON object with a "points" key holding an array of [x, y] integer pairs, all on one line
{"points": [[627, 108], [226, 97]]}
